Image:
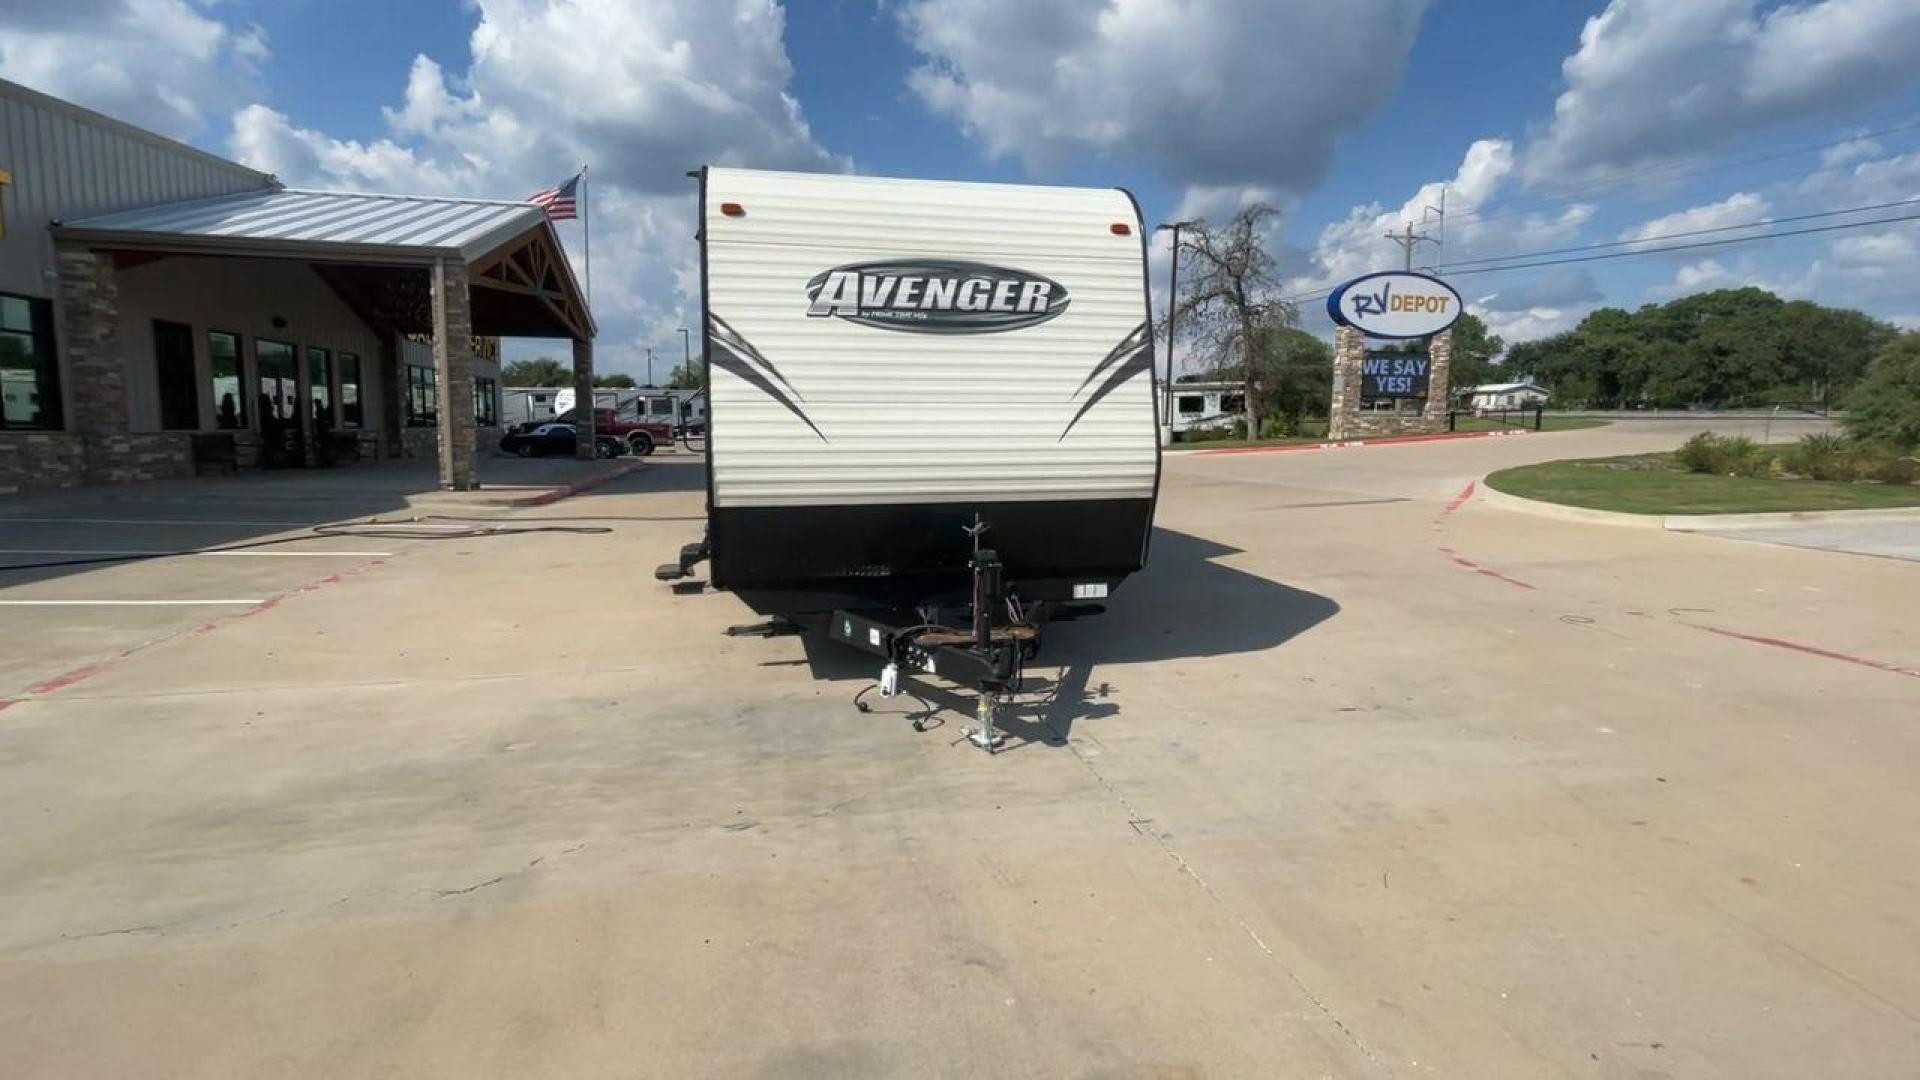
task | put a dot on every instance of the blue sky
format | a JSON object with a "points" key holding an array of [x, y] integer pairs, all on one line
{"points": [[1554, 123]]}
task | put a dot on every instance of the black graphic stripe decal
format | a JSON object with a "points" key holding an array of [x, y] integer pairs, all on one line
{"points": [[733, 354], [1132, 342], [741, 347], [1132, 356]]}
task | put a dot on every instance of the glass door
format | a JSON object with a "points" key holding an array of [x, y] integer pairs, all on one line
{"points": [[279, 402]]}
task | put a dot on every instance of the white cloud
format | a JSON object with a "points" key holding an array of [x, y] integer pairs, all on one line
{"points": [[1848, 152], [1740, 208], [1552, 287], [1528, 324], [1658, 78], [1868, 271], [162, 64], [1357, 243], [1210, 92], [268, 141], [640, 91], [1850, 182]]}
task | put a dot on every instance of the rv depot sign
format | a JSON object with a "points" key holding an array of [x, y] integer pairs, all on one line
{"points": [[1395, 304], [935, 296]]}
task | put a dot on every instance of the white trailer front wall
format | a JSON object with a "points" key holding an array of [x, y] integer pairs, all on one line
{"points": [[882, 415]]}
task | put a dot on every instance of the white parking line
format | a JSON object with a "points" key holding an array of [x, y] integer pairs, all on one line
{"points": [[132, 553], [126, 603]]}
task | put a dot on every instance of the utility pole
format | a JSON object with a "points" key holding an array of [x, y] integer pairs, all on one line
{"points": [[1439, 214], [1173, 307], [649, 365], [1408, 241], [686, 347]]}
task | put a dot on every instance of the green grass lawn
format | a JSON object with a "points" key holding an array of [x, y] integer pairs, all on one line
{"points": [[1640, 485], [1547, 423]]}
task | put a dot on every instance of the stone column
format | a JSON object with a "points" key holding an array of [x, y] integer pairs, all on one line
{"points": [[583, 397], [96, 373], [1440, 351], [453, 371], [1349, 351], [393, 394]]}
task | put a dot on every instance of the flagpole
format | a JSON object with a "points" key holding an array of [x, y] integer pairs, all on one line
{"points": [[586, 229]]}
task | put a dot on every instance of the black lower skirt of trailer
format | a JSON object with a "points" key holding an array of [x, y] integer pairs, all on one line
{"points": [[814, 559]]}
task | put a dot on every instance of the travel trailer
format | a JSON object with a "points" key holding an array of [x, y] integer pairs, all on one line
{"points": [[1207, 406], [931, 410]]}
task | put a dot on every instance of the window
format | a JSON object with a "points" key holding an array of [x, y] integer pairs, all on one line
{"points": [[423, 406], [352, 414], [660, 406], [229, 388], [174, 375], [1233, 403], [29, 374], [540, 399], [1192, 404], [279, 382], [486, 407], [320, 387]]}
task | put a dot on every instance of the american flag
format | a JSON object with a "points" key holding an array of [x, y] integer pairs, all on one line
{"points": [[558, 201]]}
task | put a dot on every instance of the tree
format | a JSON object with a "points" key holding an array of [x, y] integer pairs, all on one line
{"points": [[1296, 370], [1231, 297], [1727, 347], [688, 377], [618, 380], [539, 371], [1886, 407], [1473, 352]]}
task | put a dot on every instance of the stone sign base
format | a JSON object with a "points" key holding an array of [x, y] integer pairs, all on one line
{"points": [[1352, 419]]}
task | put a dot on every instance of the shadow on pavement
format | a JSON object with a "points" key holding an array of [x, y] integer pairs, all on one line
{"points": [[44, 537], [1184, 605]]}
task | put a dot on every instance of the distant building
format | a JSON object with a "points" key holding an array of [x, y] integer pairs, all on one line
{"points": [[1495, 397]]}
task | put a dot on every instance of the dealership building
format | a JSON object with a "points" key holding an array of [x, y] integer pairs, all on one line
{"points": [[163, 310]]}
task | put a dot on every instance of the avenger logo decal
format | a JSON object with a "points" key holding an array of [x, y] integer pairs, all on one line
{"points": [[935, 296]]}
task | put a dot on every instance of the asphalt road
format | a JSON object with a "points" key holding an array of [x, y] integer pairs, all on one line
{"points": [[1361, 778]]}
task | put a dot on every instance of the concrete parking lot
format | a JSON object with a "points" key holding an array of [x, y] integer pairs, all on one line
{"points": [[1361, 778]]}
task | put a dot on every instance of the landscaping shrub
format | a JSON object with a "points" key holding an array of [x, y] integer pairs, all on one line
{"points": [[1723, 456], [1891, 469], [1700, 454], [1275, 427], [1742, 456], [1823, 455]]}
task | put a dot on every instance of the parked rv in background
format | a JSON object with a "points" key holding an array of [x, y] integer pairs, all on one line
{"points": [[680, 409], [1207, 406]]}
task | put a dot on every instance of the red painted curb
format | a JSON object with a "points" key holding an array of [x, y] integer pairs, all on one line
{"points": [[550, 497], [1345, 444]]}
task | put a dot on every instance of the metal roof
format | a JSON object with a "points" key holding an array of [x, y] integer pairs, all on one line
{"points": [[299, 222], [1503, 387]]}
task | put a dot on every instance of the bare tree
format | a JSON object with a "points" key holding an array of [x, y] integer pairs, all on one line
{"points": [[1231, 300]]}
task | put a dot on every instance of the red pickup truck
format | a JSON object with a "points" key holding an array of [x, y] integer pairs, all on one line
{"points": [[640, 435]]}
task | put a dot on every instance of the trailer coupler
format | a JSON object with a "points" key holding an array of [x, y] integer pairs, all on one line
{"points": [[909, 646]]}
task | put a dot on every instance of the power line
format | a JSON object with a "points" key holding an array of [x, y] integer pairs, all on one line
{"points": [[1509, 264], [1696, 245], [1678, 167], [1678, 235]]}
